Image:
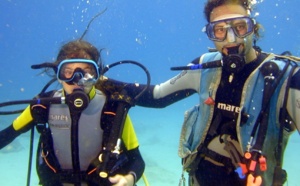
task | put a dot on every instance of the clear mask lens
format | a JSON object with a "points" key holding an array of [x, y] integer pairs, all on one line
{"points": [[76, 70], [241, 27], [87, 80]]}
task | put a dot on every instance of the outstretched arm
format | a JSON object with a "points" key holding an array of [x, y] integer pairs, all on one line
{"points": [[20, 125], [157, 96], [148, 100], [177, 88], [8, 135]]}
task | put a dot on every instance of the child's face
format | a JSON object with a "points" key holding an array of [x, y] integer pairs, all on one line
{"points": [[68, 73]]}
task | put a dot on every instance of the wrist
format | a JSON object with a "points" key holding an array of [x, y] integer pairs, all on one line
{"points": [[134, 177]]}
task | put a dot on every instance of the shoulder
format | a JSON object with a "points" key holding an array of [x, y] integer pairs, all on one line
{"points": [[196, 61], [207, 57], [293, 66], [210, 56]]}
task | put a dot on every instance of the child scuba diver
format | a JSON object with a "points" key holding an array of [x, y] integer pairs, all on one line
{"points": [[75, 134]]}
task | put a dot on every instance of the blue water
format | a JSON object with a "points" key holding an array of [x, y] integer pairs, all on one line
{"points": [[159, 34]]}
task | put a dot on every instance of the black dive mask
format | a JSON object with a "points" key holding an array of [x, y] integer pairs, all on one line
{"points": [[233, 62], [78, 100]]}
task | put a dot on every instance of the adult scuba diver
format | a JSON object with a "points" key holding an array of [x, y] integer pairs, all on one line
{"points": [[248, 103]]}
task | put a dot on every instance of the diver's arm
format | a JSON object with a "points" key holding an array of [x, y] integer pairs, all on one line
{"points": [[158, 96], [179, 87], [8, 135], [148, 99], [293, 104], [136, 164], [20, 125]]}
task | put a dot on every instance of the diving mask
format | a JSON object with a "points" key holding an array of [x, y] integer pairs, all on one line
{"points": [[79, 71], [240, 26]]}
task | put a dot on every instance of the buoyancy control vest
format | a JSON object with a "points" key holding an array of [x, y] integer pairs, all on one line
{"points": [[70, 142], [86, 134], [198, 119], [63, 158]]}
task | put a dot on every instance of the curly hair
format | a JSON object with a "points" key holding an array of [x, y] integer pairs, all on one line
{"points": [[78, 49], [211, 4]]}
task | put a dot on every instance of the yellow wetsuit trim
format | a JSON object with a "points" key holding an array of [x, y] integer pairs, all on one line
{"points": [[92, 93], [23, 119], [129, 136]]}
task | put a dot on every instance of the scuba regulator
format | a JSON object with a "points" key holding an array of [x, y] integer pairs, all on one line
{"points": [[231, 61], [78, 100]]}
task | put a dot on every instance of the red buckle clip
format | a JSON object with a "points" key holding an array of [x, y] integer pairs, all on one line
{"points": [[262, 163], [252, 165], [244, 168]]}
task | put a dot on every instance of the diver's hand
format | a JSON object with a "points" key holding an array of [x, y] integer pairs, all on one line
{"points": [[254, 181], [39, 113], [121, 180]]}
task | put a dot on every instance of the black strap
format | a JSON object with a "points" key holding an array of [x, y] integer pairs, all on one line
{"points": [[113, 151], [30, 156], [216, 157], [269, 88], [280, 174], [202, 152]]}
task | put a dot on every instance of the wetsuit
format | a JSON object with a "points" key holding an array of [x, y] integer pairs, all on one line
{"points": [[227, 107], [69, 145]]}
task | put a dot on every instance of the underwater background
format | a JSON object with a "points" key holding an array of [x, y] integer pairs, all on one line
{"points": [[157, 33]]}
